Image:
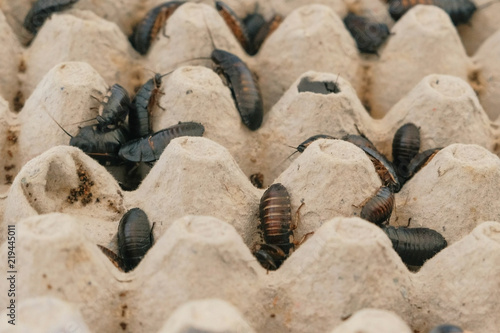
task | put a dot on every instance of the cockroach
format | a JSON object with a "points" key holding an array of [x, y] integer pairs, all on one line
{"points": [[415, 245], [242, 83], [257, 180], [235, 24], [276, 223], [114, 108], [460, 11], [378, 208], [368, 34], [265, 31], [147, 30], [253, 23], [359, 140], [139, 119], [134, 237], [41, 10], [384, 169], [149, 149], [447, 328], [419, 161], [405, 147]]}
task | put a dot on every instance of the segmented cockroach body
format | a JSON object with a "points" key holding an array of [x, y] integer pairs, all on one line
{"points": [[405, 147], [384, 169], [419, 161], [147, 30], [114, 108], [307, 143], [276, 224], [447, 328], [243, 87], [378, 208], [149, 149], [415, 245], [134, 237], [257, 180], [265, 31], [253, 23], [359, 140], [368, 34], [41, 10], [460, 11], [103, 146], [139, 119], [235, 24]]}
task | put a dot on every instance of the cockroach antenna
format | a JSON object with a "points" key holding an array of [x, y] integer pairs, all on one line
{"points": [[71, 136]]}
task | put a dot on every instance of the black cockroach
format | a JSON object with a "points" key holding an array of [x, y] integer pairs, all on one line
{"points": [[242, 84], [460, 11], [405, 147], [114, 108], [415, 245], [139, 119], [419, 161], [447, 328], [147, 30], [134, 237], [257, 180], [276, 223], [378, 208], [235, 24], [253, 23], [359, 140], [41, 10], [368, 34], [265, 31], [149, 149]]}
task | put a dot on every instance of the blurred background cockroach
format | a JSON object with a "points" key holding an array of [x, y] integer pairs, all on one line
{"points": [[368, 34], [275, 214], [149, 148], [378, 208], [415, 245], [41, 10], [460, 11], [134, 238], [147, 30]]}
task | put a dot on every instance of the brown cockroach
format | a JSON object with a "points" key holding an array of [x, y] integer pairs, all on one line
{"points": [[276, 223], [235, 24], [114, 108], [405, 147], [368, 34], [415, 245], [135, 238], [257, 180], [384, 169], [266, 30], [378, 208], [147, 30], [460, 11], [41, 10], [419, 161]]}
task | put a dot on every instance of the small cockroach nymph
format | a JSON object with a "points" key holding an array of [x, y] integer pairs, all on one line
{"points": [[405, 147], [460, 11], [368, 34], [41, 10], [447, 328], [139, 119], [276, 224], [134, 237], [419, 161], [415, 245], [378, 208], [257, 180], [243, 86], [114, 108], [149, 149], [147, 30]]}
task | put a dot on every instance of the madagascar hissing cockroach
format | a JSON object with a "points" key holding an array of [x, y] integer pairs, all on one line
{"points": [[253, 23], [139, 118], [460, 11], [447, 328], [41, 10], [242, 84], [114, 108], [276, 224], [359, 140], [405, 147], [265, 31], [415, 245], [134, 237], [148, 28], [378, 208], [257, 180], [368, 34], [384, 169], [235, 24], [149, 149], [419, 161]]}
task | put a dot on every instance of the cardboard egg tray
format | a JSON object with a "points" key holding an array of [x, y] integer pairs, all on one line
{"points": [[201, 274]]}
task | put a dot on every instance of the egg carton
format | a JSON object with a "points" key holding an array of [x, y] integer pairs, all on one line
{"points": [[209, 176]]}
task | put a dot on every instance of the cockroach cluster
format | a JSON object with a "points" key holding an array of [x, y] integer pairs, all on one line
{"points": [[414, 245], [134, 239]]}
